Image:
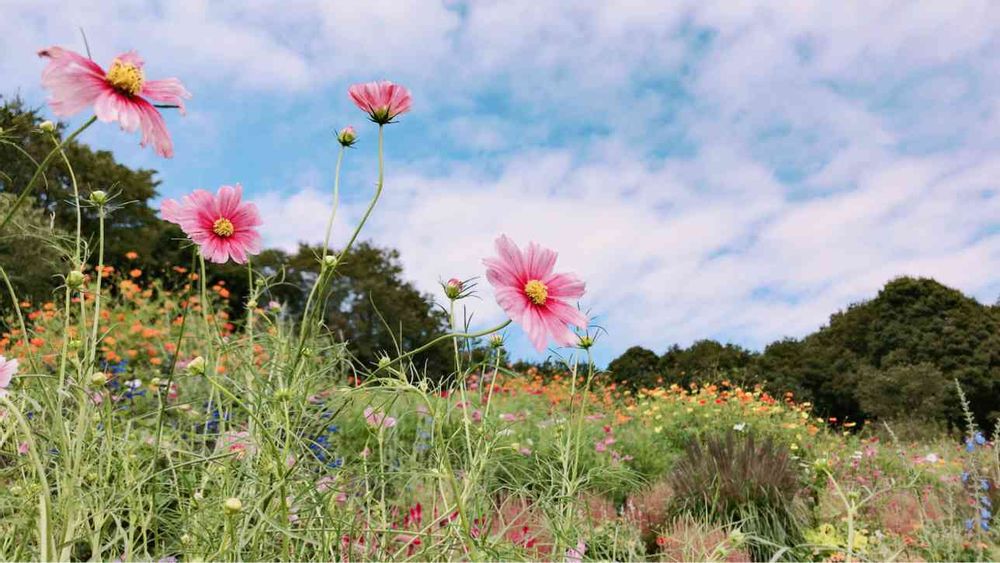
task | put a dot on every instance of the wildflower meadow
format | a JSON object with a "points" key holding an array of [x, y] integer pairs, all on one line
{"points": [[145, 416]]}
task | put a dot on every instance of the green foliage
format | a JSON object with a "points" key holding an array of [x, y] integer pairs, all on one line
{"points": [[740, 481], [706, 361], [133, 226], [899, 392], [911, 321], [636, 368], [369, 304], [29, 252]]}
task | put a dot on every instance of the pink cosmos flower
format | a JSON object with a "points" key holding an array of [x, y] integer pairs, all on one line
{"points": [[221, 225], [7, 370], [120, 94], [382, 101], [376, 418], [532, 295]]}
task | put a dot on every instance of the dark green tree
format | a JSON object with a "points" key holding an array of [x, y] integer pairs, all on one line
{"points": [[369, 305], [133, 226], [911, 321], [706, 361], [636, 368]]}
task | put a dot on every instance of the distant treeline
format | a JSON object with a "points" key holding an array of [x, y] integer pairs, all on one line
{"points": [[894, 357]]}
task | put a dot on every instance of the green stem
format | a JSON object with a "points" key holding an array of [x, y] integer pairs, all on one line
{"points": [[336, 201], [41, 169], [97, 286], [47, 547], [444, 337]]}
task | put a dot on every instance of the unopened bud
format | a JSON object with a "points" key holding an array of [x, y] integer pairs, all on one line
{"points": [[47, 126], [75, 279], [196, 366], [98, 378], [384, 362], [586, 341], [98, 197], [453, 288], [347, 136], [496, 341], [329, 261], [232, 506]]}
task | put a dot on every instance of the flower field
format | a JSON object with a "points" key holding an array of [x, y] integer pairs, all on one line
{"points": [[141, 418]]}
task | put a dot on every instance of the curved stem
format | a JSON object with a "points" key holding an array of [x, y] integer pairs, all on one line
{"points": [[41, 168], [442, 338], [336, 201]]}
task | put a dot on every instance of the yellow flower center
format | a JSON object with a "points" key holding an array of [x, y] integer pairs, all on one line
{"points": [[126, 77], [537, 291], [223, 227]]}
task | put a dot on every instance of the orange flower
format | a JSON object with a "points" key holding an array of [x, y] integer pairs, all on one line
{"points": [[136, 272], [131, 255], [37, 342]]}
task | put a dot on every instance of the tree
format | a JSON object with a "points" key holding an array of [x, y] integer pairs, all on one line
{"points": [[706, 361], [914, 321], [903, 391], [636, 368], [30, 253], [369, 305], [133, 226]]}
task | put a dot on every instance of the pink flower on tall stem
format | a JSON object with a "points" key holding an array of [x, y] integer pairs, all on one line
{"points": [[382, 101], [221, 225], [534, 296], [120, 94], [7, 370], [377, 419]]}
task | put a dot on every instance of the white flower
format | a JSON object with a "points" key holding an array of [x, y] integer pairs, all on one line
{"points": [[740, 427]]}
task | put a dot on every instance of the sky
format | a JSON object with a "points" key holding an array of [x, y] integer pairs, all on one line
{"points": [[727, 170]]}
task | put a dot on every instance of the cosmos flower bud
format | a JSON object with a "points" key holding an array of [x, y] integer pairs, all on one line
{"points": [[232, 506], [196, 366], [384, 362], [98, 378], [453, 288], [585, 342], [75, 279], [496, 341], [47, 126], [347, 136], [98, 197], [329, 261]]}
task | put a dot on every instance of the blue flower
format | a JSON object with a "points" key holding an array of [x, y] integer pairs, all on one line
{"points": [[984, 484], [980, 439], [965, 476], [970, 446], [969, 524]]}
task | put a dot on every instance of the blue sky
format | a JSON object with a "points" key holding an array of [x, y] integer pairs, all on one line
{"points": [[713, 169]]}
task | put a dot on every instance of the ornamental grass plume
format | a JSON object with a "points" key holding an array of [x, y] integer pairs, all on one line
{"points": [[222, 225], [533, 295], [122, 93]]}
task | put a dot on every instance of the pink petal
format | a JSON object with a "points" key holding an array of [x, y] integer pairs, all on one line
{"points": [[73, 81], [566, 314], [167, 91], [565, 286], [228, 198], [540, 261]]}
